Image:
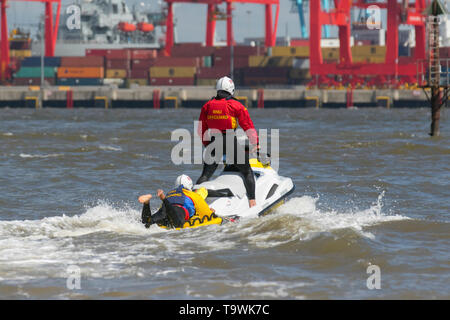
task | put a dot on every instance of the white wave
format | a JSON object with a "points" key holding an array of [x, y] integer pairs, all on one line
{"points": [[51, 155], [106, 241], [7, 134], [110, 148], [312, 221]]}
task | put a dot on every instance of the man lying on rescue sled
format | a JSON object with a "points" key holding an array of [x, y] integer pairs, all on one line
{"points": [[178, 206]]}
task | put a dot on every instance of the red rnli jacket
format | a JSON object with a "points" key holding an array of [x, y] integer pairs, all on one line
{"points": [[225, 114]]}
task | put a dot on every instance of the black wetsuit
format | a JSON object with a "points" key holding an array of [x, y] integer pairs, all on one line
{"points": [[168, 215]]}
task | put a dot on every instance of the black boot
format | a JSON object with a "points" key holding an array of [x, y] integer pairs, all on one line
{"points": [[146, 216]]}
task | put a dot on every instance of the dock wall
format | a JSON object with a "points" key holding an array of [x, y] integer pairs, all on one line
{"points": [[194, 97]]}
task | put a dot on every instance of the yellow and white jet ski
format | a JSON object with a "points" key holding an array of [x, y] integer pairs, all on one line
{"points": [[226, 194]]}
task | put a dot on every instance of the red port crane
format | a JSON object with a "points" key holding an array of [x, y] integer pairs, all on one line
{"points": [[51, 33], [271, 29], [351, 73]]}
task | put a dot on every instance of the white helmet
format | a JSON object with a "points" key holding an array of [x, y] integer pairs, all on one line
{"points": [[225, 84], [184, 180]]}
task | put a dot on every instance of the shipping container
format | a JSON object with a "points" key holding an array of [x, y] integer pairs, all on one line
{"points": [[444, 53], [20, 53], [172, 72], [290, 51], [32, 81], [116, 73], [177, 62], [73, 72], [113, 82], [207, 61], [96, 52], [79, 81], [206, 82], [237, 51], [117, 64], [238, 62], [266, 72], [167, 81], [262, 61], [19, 45], [118, 54], [191, 51], [136, 82], [300, 63], [142, 63], [90, 61], [330, 53], [370, 59], [35, 72], [299, 74], [36, 62], [144, 54], [212, 73], [359, 51], [139, 74], [299, 42]]}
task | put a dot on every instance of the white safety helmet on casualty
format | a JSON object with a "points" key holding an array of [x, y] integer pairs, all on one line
{"points": [[225, 84], [184, 180]]}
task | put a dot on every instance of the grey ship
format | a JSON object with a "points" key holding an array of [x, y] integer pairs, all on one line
{"points": [[105, 24]]}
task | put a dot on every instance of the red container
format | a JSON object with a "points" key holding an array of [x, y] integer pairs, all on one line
{"points": [[177, 62], [266, 72], [237, 51], [118, 54], [299, 42], [88, 61], [143, 54], [96, 52], [238, 62], [139, 74], [444, 53], [172, 81], [212, 73], [117, 64], [142, 63], [191, 51]]}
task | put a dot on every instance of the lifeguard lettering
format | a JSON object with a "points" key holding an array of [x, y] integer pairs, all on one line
{"points": [[213, 117]]}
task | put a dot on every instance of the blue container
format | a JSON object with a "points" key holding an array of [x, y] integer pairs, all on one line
{"points": [[36, 62], [79, 81]]}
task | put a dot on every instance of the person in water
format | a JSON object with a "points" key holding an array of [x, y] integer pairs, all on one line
{"points": [[178, 206], [224, 113]]}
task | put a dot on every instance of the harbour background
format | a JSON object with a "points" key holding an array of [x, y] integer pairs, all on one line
{"points": [[372, 188]]}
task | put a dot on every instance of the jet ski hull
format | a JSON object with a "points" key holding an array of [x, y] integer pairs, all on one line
{"points": [[228, 197]]}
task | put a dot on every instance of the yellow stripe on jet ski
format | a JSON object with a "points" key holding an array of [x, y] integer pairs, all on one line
{"points": [[255, 163]]}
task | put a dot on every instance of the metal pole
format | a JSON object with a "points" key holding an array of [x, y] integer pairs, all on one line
{"points": [[41, 87]]}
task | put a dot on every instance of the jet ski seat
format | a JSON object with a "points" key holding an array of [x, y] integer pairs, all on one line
{"points": [[230, 181]]}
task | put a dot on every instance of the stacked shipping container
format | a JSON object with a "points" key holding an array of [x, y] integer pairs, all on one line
{"points": [[81, 71], [190, 64]]}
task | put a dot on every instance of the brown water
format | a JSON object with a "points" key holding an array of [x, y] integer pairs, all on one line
{"points": [[372, 188]]}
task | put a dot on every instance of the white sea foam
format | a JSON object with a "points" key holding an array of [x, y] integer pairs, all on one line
{"points": [[110, 148], [106, 241], [51, 155]]}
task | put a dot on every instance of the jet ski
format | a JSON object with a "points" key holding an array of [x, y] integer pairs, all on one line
{"points": [[226, 194]]}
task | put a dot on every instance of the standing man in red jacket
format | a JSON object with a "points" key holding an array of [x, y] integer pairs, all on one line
{"points": [[224, 112]]}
